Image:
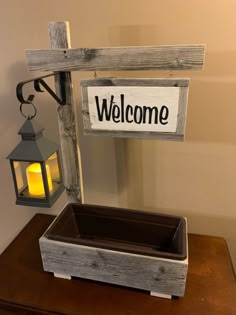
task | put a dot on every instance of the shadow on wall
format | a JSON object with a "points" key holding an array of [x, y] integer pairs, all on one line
{"points": [[98, 158], [181, 179], [9, 109], [133, 35], [208, 225], [212, 110], [11, 118], [130, 179], [212, 94], [210, 126]]}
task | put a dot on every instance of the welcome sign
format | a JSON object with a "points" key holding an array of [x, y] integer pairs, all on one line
{"points": [[143, 108]]}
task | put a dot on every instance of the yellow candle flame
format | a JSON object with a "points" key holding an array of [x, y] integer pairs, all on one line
{"points": [[35, 179]]}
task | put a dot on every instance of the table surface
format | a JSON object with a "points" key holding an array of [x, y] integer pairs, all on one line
{"points": [[26, 289]]}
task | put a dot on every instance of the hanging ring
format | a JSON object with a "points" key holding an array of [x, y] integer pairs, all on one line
{"points": [[29, 117]]}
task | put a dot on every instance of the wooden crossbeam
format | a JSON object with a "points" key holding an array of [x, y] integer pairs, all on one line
{"points": [[182, 57]]}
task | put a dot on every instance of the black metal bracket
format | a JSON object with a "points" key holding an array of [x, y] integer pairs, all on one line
{"points": [[38, 82]]}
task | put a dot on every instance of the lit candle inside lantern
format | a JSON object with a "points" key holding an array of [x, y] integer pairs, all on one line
{"points": [[53, 165], [19, 178], [35, 179]]}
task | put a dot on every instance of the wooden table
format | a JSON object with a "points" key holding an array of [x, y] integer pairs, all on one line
{"points": [[26, 289]]}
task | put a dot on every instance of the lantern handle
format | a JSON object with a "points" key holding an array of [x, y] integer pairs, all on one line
{"points": [[30, 98], [38, 82]]}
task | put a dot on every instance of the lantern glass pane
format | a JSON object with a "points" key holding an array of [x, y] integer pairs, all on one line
{"points": [[20, 175], [54, 168]]}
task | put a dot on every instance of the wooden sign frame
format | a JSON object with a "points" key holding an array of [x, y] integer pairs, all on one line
{"points": [[178, 134]]}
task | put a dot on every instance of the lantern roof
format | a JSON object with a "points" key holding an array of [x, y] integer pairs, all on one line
{"points": [[30, 128], [33, 146]]}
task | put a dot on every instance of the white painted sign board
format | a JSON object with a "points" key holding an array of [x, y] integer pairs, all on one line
{"points": [[145, 108]]}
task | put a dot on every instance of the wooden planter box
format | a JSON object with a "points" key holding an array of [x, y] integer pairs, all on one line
{"points": [[125, 247]]}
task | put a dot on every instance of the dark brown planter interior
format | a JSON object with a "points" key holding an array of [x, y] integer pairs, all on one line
{"points": [[124, 230]]}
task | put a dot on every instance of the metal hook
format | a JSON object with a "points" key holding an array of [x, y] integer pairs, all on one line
{"points": [[38, 82]]}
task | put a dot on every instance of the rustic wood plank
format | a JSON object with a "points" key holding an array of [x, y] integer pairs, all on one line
{"points": [[59, 34], [178, 135], [60, 38], [183, 101], [160, 275], [179, 57], [175, 82], [134, 135]]}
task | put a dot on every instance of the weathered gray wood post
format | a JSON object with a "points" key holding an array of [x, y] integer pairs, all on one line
{"points": [[59, 34]]}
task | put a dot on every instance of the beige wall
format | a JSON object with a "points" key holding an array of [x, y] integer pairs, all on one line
{"points": [[196, 178]]}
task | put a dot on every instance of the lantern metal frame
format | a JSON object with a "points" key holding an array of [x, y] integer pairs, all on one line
{"points": [[42, 147], [46, 202], [34, 148]]}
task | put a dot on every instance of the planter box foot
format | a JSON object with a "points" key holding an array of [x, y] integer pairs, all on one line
{"points": [[161, 295], [62, 276]]}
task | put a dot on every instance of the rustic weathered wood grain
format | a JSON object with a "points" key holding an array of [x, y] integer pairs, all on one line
{"points": [[183, 102], [183, 83], [134, 135], [60, 38], [154, 274], [181, 57], [59, 34]]}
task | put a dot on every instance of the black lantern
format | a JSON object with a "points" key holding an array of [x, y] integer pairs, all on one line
{"points": [[36, 169]]}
